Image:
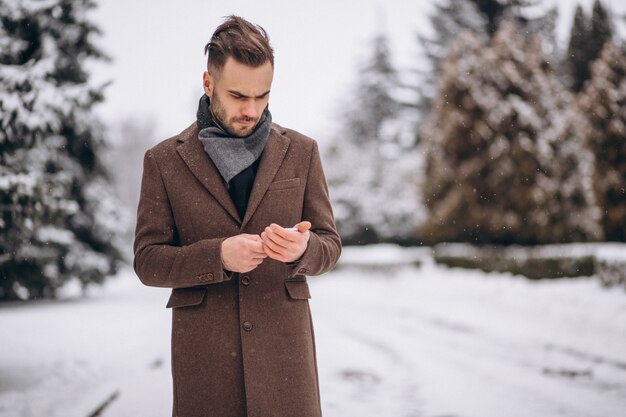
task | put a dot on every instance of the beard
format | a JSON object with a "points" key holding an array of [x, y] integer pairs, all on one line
{"points": [[229, 124]]}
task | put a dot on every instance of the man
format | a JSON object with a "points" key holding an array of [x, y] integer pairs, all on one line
{"points": [[233, 213]]}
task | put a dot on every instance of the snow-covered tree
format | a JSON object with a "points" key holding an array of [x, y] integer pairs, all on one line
{"points": [[601, 29], [483, 18], [587, 38], [58, 217], [603, 105], [496, 12], [371, 162], [448, 19], [577, 57], [504, 160]]}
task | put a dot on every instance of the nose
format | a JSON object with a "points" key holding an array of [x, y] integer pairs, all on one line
{"points": [[249, 109]]}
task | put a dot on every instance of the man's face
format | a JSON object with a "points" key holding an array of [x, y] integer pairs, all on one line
{"points": [[239, 94]]}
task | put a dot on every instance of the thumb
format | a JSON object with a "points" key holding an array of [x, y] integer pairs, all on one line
{"points": [[303, 226]]}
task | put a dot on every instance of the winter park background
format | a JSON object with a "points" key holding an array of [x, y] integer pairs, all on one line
{"points": [[476, 157]]}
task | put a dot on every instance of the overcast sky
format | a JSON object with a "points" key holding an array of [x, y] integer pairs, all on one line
{"points": [[158, 53]]}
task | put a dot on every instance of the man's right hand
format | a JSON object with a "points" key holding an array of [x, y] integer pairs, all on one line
{"points": [[242, 253]]}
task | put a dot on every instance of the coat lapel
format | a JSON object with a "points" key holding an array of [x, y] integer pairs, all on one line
{"points": [[271, 159], [200, 164]]}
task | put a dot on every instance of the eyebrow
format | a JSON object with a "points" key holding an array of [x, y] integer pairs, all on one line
{"points": [[237, 93]]}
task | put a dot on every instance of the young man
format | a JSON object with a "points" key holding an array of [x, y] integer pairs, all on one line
{"points": [[233, 213]]}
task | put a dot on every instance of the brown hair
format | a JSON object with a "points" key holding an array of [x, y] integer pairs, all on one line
{"points": [[247, 43]]}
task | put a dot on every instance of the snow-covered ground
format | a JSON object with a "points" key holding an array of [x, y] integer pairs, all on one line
{"points": [[396, 340]]}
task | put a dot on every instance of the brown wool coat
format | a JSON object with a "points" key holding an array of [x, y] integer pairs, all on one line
{"points": [[242, 344]]}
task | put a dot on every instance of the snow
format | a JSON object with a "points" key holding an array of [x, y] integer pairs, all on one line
{"points": [[606, 251], [399, 340], [381, 255]]}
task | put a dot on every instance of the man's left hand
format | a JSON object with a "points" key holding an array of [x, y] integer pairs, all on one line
{"points": [[286, 245]]}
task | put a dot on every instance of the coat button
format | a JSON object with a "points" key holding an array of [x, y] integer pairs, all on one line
{"points": [[245, 280], [247, 326]]}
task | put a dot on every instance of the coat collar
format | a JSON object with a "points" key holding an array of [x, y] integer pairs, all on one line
{"points": [[200, 164]]}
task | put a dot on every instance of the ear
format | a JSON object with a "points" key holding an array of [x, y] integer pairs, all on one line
{"points": [[207, 83]]}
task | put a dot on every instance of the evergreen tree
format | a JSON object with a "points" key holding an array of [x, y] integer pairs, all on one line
{"points": [[449, 18], [587, 38], [483, 18], [601, 30], [495, 11], [504, 162], [58, 220], [603, 105], [373, 197], [577, 60]]}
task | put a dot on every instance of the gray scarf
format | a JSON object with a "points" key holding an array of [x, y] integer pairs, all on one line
{"points": [[231, 154]]}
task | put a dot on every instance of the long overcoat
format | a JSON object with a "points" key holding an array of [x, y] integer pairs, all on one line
{"points": [[242, 344]]}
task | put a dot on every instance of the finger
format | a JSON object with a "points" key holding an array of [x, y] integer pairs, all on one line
{"points": [[303, 226], [273, 254], [259, 255], [256, 247], [255, 238], [276, 247], [290, 235], [278, 240]]}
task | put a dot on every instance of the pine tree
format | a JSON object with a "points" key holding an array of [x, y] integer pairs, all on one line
{"points": [[58, 219], [587, 38], [504, 162], [496, 11], [601, 30], [603, 105], [449, 18], [483, 18], [577, 60], [373, 197]]}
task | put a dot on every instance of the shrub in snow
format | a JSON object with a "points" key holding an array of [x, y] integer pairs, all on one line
{"points": [[603, 105], [611, 273], [607, 261], [505, 162], [58, 217], [531, 262]]}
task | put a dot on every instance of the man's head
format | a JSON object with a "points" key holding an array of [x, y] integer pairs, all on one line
{"points": [[240, 69]]}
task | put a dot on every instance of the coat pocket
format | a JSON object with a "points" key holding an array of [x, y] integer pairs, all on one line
{"points": [[186, 297], [284, 184], [298, 290]]}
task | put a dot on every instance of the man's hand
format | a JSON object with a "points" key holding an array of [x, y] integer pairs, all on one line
{"points": [[242, 253], [286, 245]]}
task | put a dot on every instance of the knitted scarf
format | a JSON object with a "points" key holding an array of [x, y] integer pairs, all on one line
{"points": [[231, 154]]}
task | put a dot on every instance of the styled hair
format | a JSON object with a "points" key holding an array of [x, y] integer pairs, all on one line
{"points": [[247, 43]]}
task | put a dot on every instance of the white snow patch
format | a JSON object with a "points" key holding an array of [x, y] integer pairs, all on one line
{"points": [[407, 341]]}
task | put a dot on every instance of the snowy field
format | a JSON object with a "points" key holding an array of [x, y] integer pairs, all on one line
{"points": [[395, 340]]}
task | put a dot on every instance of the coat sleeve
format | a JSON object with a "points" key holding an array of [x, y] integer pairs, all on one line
{"points": [[324, 245], [160, 260]]}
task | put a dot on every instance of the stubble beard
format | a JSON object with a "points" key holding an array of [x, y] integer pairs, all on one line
{"points": [[219, 115]]}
